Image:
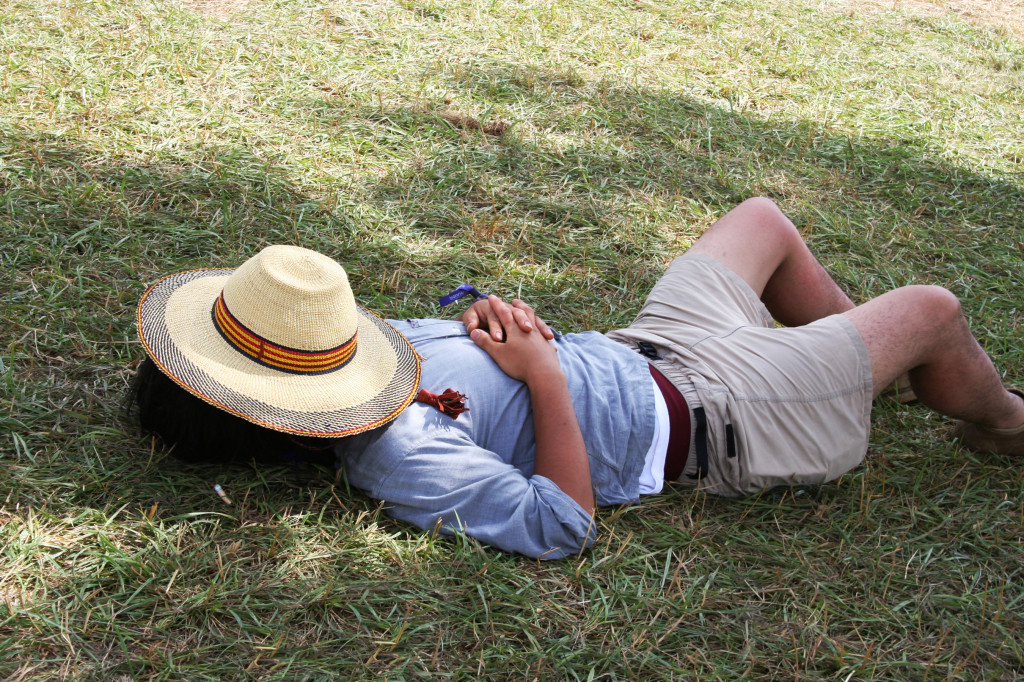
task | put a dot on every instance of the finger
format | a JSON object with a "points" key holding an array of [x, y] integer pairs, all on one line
{"points": [[494, 325], [481, 339], [536, 322], [470, 319], [503, 317], [544, 329], [524, 315], [477, 315], [523, 319]]}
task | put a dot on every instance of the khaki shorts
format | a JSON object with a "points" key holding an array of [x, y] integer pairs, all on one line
{"points": [[778, 405]]}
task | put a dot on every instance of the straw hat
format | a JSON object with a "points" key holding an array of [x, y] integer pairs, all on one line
{"points": [[280, 342]]}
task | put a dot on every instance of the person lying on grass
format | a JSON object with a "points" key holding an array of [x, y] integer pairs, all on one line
{"points": [[702, 389]]}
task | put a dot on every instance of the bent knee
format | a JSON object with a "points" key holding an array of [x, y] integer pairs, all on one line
{"points": [[762, 208], [770, 220], [938, 303]]}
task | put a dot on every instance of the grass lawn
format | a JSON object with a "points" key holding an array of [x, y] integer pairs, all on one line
{"points": [[562, 152]]}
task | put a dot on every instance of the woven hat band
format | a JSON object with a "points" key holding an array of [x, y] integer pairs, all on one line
{"points": [[270, 354]]}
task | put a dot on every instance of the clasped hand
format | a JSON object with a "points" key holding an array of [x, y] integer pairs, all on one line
{"points": [[506, 332]]}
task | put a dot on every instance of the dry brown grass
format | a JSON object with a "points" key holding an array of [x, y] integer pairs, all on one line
{"points": [[1008, 13], [218, 9]]}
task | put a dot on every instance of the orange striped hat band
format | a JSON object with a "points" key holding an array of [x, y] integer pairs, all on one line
{"points": [[270, 354]]}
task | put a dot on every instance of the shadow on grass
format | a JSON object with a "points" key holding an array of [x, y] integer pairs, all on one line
{"points": [[613, 157], [582, 210]]}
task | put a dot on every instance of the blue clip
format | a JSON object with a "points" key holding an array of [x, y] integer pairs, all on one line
{"points": [[459, 292]]}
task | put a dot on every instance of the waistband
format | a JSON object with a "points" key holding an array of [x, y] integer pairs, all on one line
{"points": [[679, 426]]}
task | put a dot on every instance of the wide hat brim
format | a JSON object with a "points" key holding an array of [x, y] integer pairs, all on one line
{"points": [[178, 331]]}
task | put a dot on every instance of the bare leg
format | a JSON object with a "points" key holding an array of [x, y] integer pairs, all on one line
{"points": [[760, 244], [922, 329]]}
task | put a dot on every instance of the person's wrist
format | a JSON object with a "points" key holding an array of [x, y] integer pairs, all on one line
{"points": [[545, 375]]}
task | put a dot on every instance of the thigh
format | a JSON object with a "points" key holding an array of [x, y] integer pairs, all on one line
{"points": [[752, 240], [788, 406], [699, 297], [799, 403]]}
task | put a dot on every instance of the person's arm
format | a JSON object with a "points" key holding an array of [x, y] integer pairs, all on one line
{"points": [[448, 482], [561, 454]]}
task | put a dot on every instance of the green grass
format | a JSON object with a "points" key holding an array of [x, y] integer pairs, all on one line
{"points": [[563, 152]]}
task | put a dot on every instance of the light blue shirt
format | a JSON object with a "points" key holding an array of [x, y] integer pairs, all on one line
{"points": [[475, 473]]}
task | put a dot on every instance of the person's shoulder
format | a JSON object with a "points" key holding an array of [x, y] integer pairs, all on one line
{"points": [[418, 423], [375, 456]]}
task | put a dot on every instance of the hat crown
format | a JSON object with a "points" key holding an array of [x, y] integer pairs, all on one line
{"points": [[293, 297]]}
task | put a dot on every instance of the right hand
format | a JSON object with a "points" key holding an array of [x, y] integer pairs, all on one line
{"points": [[524, 355]]}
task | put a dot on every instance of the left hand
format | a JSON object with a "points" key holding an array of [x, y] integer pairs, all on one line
{"points": [[495, 316]]}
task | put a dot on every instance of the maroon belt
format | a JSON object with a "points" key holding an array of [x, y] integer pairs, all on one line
{"points": [[678, 426]]}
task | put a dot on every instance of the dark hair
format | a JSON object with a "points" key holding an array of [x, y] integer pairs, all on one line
{"points": [[196, 431]]}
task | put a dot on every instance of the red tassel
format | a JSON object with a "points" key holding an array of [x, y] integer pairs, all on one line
{"points": [[451, 402]]}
